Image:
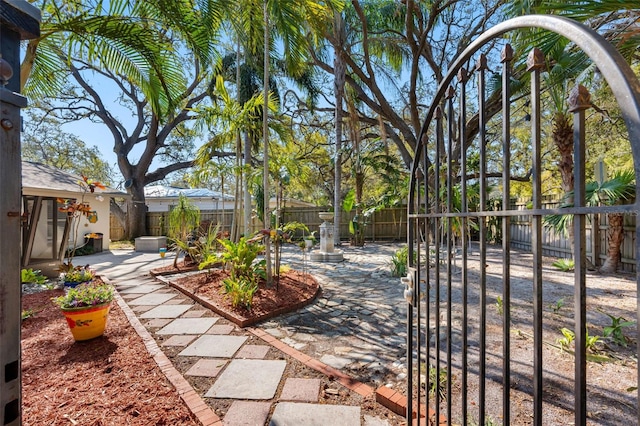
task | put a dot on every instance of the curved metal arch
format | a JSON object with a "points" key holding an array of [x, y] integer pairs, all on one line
{"points": [[623, 82]]}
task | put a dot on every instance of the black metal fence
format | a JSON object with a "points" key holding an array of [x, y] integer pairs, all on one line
{"points": [[480, 327]]}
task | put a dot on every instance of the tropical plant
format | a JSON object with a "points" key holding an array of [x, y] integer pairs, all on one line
{"points": [[614, 191], [85, 295], [557, 306], [615, 331], [240, 290], [565, 265], [32, 276], [184, 219], [76, 209], [77, 275], [239, 258], [400, 262]]}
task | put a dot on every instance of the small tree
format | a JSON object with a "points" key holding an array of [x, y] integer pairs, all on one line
{"points": [[183, 219]]}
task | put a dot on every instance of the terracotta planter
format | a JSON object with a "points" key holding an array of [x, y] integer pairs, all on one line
{"points": [[87, 322]]}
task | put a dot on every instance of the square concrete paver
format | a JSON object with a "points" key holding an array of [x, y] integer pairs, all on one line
{"points": [[178, 341], [248, 379], [130, 296], [214, 346], [142, 308], [157, 323], [143, 288], [194, 313], [188, 326], [221, 329], [166, 311], [306, 390], [152, 299], [247, 413], [296, 413], [253, 351], [206, 367]]}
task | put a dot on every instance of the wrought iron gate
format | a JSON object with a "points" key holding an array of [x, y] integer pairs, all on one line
{"points": [[451, 337]]}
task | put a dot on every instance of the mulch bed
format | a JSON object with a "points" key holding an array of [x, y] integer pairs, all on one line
{"points": [[109, 380], [291, 292]]}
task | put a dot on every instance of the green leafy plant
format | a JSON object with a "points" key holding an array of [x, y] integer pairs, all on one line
{"points": [[240, 290], [565, 265], [439, 385], [27, 313], [32, 276], [557, 306], [615, 330], [84, 295], [239, 257], [400, 262], [78, 274], [569, 337], [590, 342], [499, 305], [184, 218], [75, 209]]}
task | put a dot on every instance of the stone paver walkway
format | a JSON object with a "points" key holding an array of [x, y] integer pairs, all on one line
{"points": [[356, 326]]}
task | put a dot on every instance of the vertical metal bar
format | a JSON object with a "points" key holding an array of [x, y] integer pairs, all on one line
{"points": [[409, 330], [535, 63], [451, 126], [462, 78], [481, 67], [579, 101], [507, 56], [427, 279], [438, 209]]}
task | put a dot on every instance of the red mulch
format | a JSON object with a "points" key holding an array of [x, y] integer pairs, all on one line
{"points": [[110, 380], [292, 291]]}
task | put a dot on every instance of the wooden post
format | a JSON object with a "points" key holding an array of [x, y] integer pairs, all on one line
{"points": [[18, 21]]}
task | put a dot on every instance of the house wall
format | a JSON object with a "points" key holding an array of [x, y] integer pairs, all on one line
{"points": [[164, 204]]}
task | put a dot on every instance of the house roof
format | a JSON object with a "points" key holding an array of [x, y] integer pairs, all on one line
{"points": [[40, 179], [164, 191]]}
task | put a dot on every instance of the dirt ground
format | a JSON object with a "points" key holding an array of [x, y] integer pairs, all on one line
{"points": [[612, 370]]}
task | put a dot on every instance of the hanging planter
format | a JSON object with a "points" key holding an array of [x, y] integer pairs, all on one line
{"points": [[86, 308]]}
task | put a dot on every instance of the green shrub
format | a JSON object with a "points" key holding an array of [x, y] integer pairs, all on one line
{"points": [[240, 291], [565, 265], [400, 262]]}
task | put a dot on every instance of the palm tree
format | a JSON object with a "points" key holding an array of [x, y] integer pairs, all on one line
{"points": [[614, 191], [132, 39]]}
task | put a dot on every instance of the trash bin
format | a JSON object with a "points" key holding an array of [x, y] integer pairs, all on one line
{"points": [[94, 240]]}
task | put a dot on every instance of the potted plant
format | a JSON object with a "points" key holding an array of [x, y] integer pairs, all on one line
{"points": [[75, 210], [86, 308], [77, 275]]}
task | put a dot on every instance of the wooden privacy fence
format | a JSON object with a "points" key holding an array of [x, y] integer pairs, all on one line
{"points": [[390, 225]]}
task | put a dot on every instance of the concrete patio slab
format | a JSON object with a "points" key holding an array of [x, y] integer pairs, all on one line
{"points": [[142, 288], [166, 311], [157, 323], [305, 390], [178, 341], [253, 351], [194, 313], [152, 299], [221, 329], [206, 367], [214, 346], [248, 379], [188, 326], [247, 413], [296, 413]]}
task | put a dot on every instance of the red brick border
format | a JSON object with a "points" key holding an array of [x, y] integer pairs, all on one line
{"points": [[398, 403], [194, 402], [242, 323]]}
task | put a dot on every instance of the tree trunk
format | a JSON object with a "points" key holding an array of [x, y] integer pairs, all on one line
{"points": [[136, 211], [563, 139], [615, 235]]}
